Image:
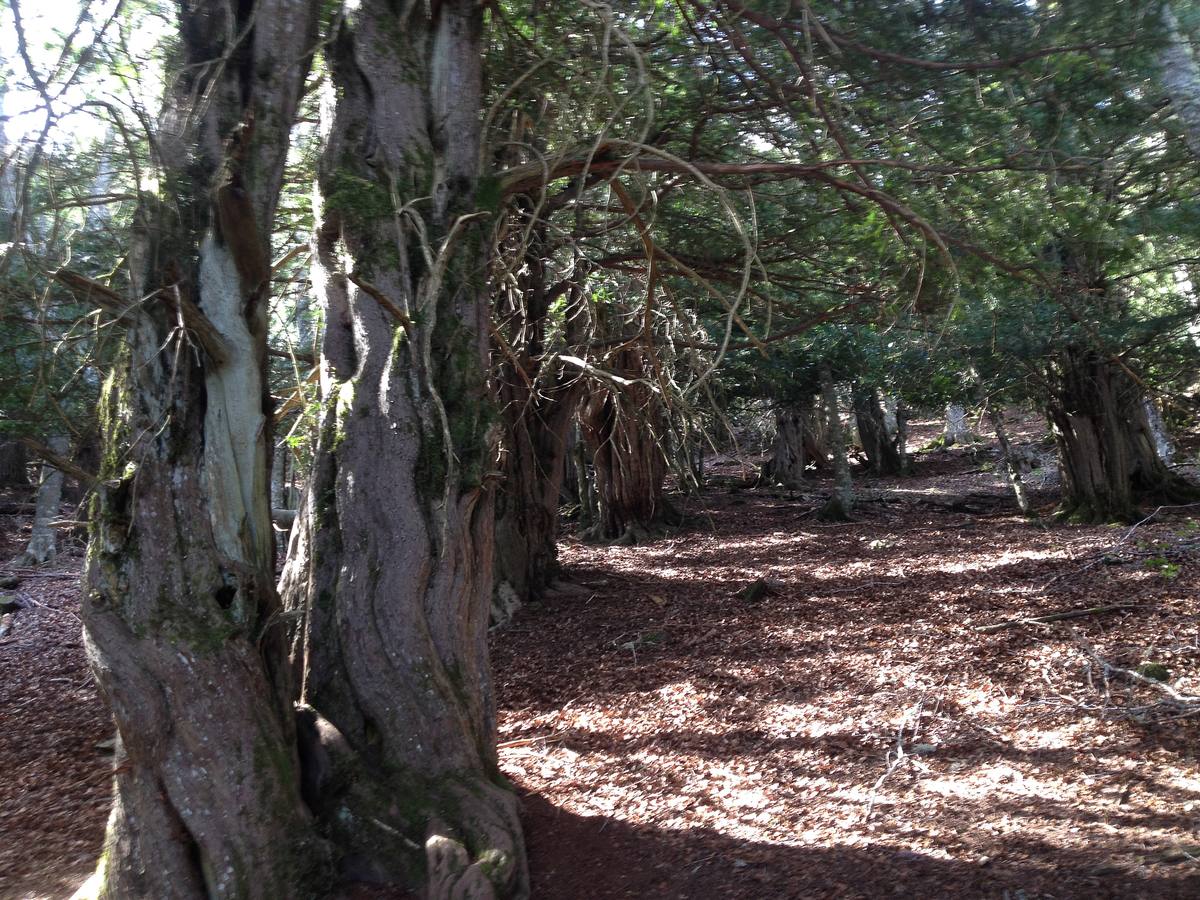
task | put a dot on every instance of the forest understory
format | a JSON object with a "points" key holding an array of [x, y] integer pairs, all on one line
{"points": [[844, 729]]}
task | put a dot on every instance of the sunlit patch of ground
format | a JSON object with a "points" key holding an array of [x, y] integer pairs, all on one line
{"points": [[852, 734]]}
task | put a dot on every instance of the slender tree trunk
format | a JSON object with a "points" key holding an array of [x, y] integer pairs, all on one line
{"points": [[390, 571], [902, 435], [1011, 464], [180, 613], [841, 502], [1105, 442], [43, 545]]}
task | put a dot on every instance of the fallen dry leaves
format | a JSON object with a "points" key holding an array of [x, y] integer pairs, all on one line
{"points": [[849, 734]]}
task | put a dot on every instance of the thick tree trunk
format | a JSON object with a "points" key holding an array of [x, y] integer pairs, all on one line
{"points": [[789, 458], [1105, 443], [538, 402], [956, 430], [180, 613], [1163, 445], [390, 572], [878, 445], [43, 545], [621, 428], [841, 502], [535, 461]]}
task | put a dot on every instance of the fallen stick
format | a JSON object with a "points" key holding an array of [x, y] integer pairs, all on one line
{"points": [[1055, 617]]}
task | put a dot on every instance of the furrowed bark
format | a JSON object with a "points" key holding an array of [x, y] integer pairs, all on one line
{"points": [[390, 570], [538, 399], [180, 612], [878, 445], [1106, 446], [621, 427]]}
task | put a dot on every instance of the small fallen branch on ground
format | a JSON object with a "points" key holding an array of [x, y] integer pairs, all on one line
{"points": [[1055, 617], [1175, 705], [1106, 555]]}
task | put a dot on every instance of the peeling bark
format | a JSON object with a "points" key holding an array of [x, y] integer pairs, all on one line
{"points": [[180, 613], [390, 567]]}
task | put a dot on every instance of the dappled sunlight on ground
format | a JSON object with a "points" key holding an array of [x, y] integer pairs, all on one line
{"points": [[853, 717]]}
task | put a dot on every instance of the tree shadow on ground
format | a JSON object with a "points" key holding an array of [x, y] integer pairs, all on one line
{"points": [[599, 858]]}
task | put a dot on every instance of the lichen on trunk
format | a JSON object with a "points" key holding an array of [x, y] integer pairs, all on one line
{"points": [[390, 569], [180, 612]]}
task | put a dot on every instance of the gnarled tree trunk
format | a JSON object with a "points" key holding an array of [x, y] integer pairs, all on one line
{"points": [[538, 401], [789, 457], [390, 571], [180, 612], [620, 426], [800, 441], [1105, 443], [878, 445]]}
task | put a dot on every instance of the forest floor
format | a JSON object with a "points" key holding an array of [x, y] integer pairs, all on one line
{"points": [[848, 734]]}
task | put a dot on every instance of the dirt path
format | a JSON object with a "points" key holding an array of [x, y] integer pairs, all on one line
{"points": [[671, 739]]}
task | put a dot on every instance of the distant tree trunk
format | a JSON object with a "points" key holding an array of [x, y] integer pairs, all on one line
{"points": [[534, 464], [538, 402], [1011, 464], [621, 427], [879, 448], [789, 457], [179, 608], [902, 434], [14, 465], [956, 430], [1181, 77], [43, 545], [1163, 445], [390, 569], [841, 502], [1105, 443]]}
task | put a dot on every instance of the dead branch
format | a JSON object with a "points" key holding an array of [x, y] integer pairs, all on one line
{"points": [[1056, 617]]}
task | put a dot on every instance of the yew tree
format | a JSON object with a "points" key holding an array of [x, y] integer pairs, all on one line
{"points": [[181, 617], [390, 569]]}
